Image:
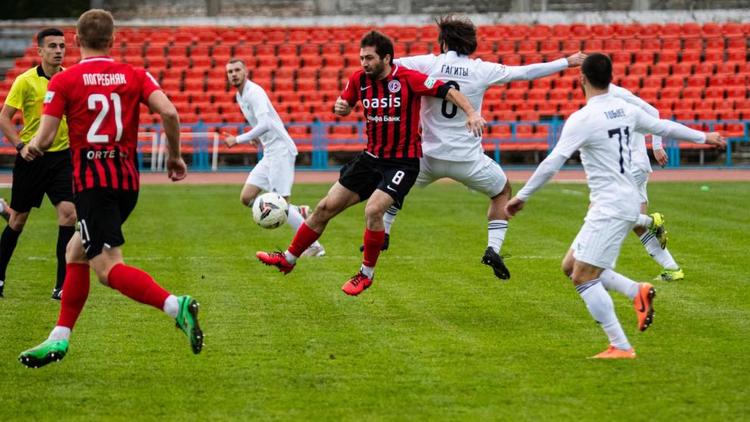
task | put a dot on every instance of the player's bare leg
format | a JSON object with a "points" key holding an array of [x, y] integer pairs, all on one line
{"points": [[374, 237], [586, 278], [336, 200], [8, 242], [66, 220], [671, 271], [497, 225], [248, 194]]}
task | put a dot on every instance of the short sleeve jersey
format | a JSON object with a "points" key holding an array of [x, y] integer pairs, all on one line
{"points": [[101, 100], [27, 94], [391, 109], [256, 106]]}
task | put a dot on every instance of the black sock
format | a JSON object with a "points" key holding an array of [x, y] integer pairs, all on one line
{"points": [[8, 241], [64, 233]]}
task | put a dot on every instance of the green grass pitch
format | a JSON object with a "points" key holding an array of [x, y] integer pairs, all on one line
{"points": [[437, 337]]}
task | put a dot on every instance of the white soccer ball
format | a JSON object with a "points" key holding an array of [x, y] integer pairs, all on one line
{"points": [[270, 210]]}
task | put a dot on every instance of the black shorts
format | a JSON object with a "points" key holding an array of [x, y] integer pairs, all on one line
{"points": [[101, 213], [50, 174], [394, 176]]}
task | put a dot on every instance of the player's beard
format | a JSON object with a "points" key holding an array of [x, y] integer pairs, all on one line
{"points": [[376, 71]]}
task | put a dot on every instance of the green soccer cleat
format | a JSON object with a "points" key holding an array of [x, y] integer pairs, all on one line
{"points": [[658, 229], [187, 321], [670, 275], [47, 352]]}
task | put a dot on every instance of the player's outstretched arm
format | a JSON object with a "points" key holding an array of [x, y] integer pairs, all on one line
{"points": [[342, 107], [670, 129], [474, 121], [159, 103]]}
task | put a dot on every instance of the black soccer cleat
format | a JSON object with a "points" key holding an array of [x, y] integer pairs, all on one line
{"points": [[57, 294], [386, 241], [495, 261]]}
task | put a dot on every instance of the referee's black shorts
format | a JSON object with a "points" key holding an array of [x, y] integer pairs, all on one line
{"points": [[50, 174], [366, 172], [101, 214]]}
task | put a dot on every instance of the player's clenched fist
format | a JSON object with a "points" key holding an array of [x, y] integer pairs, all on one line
{"points": [[576, 59], [342, 108], [514, 206]]}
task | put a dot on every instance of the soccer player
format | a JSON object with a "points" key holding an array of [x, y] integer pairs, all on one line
{"points": [[384, 173], [101, 100], [649, 228], [275, 171], [449, 150], [50, 174], [602, 132]]}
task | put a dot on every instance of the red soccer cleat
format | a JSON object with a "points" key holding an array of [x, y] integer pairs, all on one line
{"points": [[644, 305], [276, 259], [357, 284]]}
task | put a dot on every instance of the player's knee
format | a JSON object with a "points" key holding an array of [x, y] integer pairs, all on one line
{"points": [[247, 200], [67, 217], [567, 267], [17, 221]]}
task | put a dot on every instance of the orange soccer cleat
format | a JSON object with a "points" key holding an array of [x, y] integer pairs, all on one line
{"points": [[613, 352], [356, 284], [277, 259], [644, 305]]}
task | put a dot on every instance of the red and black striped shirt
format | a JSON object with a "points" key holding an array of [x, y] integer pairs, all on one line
{"points": [[391, 109], [101, 100]]}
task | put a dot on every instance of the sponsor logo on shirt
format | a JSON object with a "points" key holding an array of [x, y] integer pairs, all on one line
{"points": [[386, 119], [387, 102], [394, 86], [49, 96], [429, 82]]}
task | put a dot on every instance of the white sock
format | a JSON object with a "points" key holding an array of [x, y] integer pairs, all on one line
{"points": [[290, 257], [171, 306], [496, 234], [389, 217], [368, 271], [59, 333], [600, 306], [644, 221], [661, 256], [619, 283]]}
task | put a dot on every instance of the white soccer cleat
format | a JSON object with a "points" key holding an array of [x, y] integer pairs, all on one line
{"points": [[314, 251]]}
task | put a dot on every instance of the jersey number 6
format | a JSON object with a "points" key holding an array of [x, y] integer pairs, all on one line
{"points": [[444, 109]]}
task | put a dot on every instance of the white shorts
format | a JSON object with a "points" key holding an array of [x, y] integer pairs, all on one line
{"points": [[274, 173], [599, 241], [641, 182], [483, 175]]}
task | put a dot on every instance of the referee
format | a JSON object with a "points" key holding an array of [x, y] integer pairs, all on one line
{"points": [[51, 173]]}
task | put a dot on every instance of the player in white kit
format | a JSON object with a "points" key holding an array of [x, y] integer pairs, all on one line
{"points": [[275, 171], [449, 150], [602, 131], [655, 239]]}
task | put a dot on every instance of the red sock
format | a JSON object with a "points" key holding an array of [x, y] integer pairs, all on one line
{"points": [[303, 239], [75, 292], [373, 242], [137, 285]]}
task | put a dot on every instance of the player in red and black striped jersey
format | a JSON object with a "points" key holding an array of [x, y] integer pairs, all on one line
{"points": [[100, 99], [385, 171]]}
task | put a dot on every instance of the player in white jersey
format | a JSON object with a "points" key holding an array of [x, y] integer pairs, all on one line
{"points": [[449, 149], [602, 131], [650, 227], [275, 171]]}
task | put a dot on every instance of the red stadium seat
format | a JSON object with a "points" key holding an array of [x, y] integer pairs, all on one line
{"points": [[660, 69], [549, 46], [651, 45], [601, 31], [682, 69], [527, 47], [652, 82], [668, 56], [704, 69]]}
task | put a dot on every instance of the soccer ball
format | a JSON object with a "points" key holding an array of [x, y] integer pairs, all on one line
{"points": [[270, 210]]}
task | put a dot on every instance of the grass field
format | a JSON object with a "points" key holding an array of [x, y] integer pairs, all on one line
{"points": [[437, 337]]}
